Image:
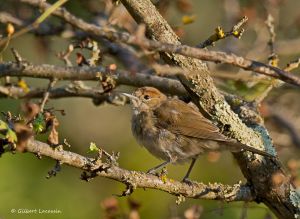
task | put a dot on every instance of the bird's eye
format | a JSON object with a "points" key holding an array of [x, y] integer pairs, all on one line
{"points": [[146, 97]]}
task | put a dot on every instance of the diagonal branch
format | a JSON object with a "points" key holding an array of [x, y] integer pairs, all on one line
{"points": [[215, 191]]}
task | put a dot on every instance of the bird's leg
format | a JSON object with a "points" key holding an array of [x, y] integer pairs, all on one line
{"points": [[186, 177], [153, 170]]}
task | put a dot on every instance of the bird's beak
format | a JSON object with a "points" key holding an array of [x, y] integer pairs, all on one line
{"points": [[130, 96], [134, 100]]}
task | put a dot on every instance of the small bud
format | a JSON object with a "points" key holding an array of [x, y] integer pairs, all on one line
{"points": [[220, 32], [10, 29]]}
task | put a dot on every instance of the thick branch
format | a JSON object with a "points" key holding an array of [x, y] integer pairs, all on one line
{"points": [[170, 46], [171, 86], [215, 191]]}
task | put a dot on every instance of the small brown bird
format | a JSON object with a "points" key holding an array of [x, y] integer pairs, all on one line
{"points": [[175, 131]]}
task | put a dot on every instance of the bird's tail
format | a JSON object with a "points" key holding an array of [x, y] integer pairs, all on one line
{"points": [[237, 146]]}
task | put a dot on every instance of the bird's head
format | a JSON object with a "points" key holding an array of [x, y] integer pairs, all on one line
{"points": [[146, 98]]}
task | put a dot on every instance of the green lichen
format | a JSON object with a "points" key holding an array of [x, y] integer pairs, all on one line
{"points": [[295, 200], [267, 142]]}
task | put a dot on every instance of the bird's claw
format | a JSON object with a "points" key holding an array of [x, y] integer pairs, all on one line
{"points": [[187, 181], [159, 174], [152, 172]]}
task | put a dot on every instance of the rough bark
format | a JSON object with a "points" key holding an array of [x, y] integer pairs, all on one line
{"points": [[136, 179]]}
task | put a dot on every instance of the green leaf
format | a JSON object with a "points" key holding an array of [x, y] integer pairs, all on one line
{"points": [[3, 126], [93, 148], [11, 136], [39, 124], [7, 133]]}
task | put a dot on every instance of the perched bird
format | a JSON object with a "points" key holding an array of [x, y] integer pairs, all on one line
{"points": [[175, 131]]}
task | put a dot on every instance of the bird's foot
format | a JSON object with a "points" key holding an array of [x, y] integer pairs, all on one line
{"points": [[154, 172], [187, 181], [151, 171], [160, 166]]}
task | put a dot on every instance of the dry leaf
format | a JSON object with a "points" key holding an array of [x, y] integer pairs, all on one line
{"points": [[30, 110], [80, 60], [24, 133], [52, 122]]}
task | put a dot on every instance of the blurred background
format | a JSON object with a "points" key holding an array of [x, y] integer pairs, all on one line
{"points": [[23, 182]]}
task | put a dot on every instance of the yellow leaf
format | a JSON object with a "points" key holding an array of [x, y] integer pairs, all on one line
{"points": [[236, 33], [22, 84], [274, 62], [164, 178], [186, 19], [220, 32]]}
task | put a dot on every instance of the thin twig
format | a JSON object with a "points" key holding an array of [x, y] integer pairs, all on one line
{"points": [[236, 31], [273, 59], [51, 84], [292, 65]]}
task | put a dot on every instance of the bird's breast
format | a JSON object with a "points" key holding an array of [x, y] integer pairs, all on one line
{"points": [[147, 134]]}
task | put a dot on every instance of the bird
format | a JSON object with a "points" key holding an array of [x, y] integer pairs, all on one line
{"points": [[175, 131]]}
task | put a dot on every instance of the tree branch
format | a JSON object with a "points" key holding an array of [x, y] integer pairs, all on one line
{"points": [[215, 191], [97, 95], [171, 86]]}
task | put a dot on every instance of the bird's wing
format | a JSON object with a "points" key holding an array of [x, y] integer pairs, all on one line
{"points": [[181, 118]]}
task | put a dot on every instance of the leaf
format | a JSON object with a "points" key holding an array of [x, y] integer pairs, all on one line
{"points": [[24, 133], [3, 126], [186, 19], [93, 148], [81, 60], [53, 136], [22, 84], [31, 110], [220, 32], [7, 133], [8, 138], [39, 123], [11, 136]]}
